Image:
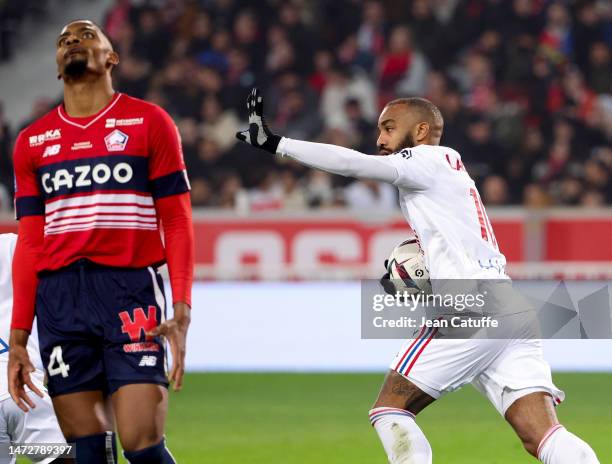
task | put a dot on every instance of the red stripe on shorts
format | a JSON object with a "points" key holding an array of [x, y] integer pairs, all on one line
{"points": [[418, 337], [420, 351]]}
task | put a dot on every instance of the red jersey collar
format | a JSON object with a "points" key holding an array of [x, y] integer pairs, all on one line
{"points": [[84, 123]]}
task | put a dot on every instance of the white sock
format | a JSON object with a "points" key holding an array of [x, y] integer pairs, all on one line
{"points": [[401, 437], [562, 447]]}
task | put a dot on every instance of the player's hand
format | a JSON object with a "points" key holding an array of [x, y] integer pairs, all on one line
{"points": [[258, 134], [386, 282], [19, 369], [175, 330]]}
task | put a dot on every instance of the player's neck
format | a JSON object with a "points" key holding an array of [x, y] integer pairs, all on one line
{"points": [[86, 98]]}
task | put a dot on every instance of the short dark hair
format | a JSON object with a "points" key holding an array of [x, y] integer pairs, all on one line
{"points": [[426, 109]]}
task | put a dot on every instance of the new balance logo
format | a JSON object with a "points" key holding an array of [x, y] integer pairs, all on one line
{"points": [[51, 150], [148, 361]]}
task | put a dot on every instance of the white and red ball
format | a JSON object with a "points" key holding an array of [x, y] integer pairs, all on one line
{"points": [[406, 268]]}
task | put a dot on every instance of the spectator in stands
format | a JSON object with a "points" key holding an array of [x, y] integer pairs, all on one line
{"points": [[494, 191], [13, 14], [371, 32], [363, 130], [218, 124], [342, 85], [599, 70], [231, 193], [597, 178], [413, 80], [295, 118], [6, 165], [294, 195], [570, 192], [133, 76], [370, 196], [396, 61], [319, 189], [201, 192], [268, 195], [535, 196], [323, 62], [525, 88]]}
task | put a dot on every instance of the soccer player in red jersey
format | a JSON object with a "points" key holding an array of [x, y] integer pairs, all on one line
{"points": [[98, 180]]}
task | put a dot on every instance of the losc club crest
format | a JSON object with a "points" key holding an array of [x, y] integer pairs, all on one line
{"points": [[116, 140]]}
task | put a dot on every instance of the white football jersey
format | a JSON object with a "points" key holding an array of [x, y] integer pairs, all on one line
{"points": [[442, 205], [437, 196], [7, 248]]}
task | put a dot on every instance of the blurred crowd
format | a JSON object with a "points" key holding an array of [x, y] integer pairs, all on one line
{"points": [[13, 17], [525, 87]]}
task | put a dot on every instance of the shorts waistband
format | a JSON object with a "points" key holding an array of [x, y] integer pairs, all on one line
{"points": [[85, 264]]}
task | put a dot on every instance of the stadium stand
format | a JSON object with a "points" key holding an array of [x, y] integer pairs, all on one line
{"points": [[525, 88]]}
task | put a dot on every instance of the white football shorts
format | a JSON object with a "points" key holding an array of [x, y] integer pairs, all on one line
{"points": [[504, 370]]}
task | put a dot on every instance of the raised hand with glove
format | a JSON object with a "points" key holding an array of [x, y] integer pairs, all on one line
{"points": [[258, 134]]}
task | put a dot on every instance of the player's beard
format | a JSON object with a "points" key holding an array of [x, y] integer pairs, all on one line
{"points": [[76, 68], [408, 142]]}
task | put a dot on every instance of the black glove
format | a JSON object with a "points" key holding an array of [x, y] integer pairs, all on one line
{"points": [[258, 134], [386, 282]]}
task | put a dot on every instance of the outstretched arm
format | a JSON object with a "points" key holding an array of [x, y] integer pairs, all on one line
{"points": [[331, 158], [339, 160]]}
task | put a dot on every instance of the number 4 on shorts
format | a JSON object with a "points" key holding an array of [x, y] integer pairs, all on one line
{"points": [[56, 358]]}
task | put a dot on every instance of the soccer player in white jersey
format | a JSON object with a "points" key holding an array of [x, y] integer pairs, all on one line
{"points": [[39, 425], [442, 205]]}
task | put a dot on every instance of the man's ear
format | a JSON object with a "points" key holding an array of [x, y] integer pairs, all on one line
{"points": [[422, 131], [113, 58]]}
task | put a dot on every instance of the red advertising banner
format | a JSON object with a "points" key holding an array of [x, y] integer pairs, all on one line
{"points": [[339, 245]]}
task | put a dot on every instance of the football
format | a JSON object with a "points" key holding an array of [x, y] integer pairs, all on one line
{"points": [[406, 268]]}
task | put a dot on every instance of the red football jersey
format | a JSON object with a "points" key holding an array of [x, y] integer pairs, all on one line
{"points": [[95, 180]]}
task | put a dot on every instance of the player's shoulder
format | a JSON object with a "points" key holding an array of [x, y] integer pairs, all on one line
{"points": [[426, 153], [436, 155], [143, 106], [44, 126], [439, 150]]}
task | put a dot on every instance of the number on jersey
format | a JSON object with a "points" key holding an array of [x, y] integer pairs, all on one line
{"points": [[56, 358], [486, 231]]}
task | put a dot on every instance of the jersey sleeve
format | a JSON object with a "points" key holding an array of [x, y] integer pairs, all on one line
{"points": [[416, 168], [28, 198], [167, 172], [27, 251], [175, 215], [339, 160]]}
